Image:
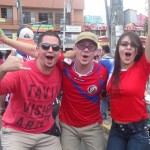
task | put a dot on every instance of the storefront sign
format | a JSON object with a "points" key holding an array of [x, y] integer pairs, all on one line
{"points": [[44, 27], [73, 28]]}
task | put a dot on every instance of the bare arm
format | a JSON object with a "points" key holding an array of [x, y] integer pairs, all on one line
{"points": [[2, 104], [24, 47], [147, 48]]}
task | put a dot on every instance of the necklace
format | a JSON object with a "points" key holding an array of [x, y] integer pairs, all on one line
{"points": [[86, 74]]}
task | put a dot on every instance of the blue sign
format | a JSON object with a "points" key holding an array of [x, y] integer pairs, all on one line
{"points": [[93, 20]]}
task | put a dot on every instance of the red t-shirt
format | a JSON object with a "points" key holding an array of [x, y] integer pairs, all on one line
{"points": [[33, 94], [127, 104], [80, 105]]}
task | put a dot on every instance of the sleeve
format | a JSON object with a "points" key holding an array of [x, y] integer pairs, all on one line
{"points": [[60, 62], [9, 83], [104, 77]]}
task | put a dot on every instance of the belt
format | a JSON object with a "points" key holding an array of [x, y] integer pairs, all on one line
{"points": [[53, 131]]}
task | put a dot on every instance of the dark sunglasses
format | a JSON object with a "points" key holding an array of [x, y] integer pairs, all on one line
{"points": [[82, 47], [46, 46], [125, 44]]}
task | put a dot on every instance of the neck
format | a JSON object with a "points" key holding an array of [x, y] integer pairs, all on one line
{"points": [[43, 69], [83, 70]]}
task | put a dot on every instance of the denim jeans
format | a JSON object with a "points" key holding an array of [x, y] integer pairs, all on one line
{"points": [[132, 136], [104, 107]]}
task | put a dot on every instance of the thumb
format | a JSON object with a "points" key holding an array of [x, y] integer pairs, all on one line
{"points": [[12, 53]]}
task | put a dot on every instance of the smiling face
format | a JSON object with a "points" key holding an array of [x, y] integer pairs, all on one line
{"points": [[48, 57], [127, 52], [85, 51]]}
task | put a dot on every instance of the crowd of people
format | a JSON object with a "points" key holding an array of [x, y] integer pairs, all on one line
{"points": [[87, 86]]}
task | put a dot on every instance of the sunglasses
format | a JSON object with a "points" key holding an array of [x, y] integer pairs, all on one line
{"points": [[46, 46], [82, 47], [126, 44]]}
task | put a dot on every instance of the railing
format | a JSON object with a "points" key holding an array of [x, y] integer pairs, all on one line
{"points": [[9, 22]]}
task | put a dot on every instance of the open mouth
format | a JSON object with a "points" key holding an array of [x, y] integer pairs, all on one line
{"points": [[84, 56], [128, 54], [50, 58]]}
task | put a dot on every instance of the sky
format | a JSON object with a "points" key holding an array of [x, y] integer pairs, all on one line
{"points": [[97, 7]]}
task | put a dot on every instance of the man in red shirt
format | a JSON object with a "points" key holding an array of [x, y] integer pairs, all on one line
{"points": [[27, 122]]}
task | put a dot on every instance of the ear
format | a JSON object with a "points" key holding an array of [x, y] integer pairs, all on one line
{"points": [[96, 52], [74, 48]]}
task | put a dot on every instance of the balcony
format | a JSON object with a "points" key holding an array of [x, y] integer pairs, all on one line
{"points": [[9, 24]]}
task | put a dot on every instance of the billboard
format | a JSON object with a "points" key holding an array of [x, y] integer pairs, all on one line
{"points": [[93, 20]]}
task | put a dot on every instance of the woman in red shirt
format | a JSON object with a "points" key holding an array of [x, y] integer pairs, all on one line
{"points": [[126, 88]]}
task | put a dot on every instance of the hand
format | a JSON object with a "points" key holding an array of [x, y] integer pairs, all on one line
{"points": [[2, 35], [13, 63], [70, 54], [147, 102], [147, 98]]}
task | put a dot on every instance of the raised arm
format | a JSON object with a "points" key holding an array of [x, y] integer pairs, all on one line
{"points": [[24, 47], [147, 48]]}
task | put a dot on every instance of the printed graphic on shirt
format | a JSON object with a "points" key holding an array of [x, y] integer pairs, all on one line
{"points": [[37, 109], [92, 89]]}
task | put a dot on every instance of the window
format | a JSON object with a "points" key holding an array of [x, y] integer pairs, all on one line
{"points": [[26, 17], [50, 18], [103, 32], [59, 17], [43, 17], [32, 17], [6, 13], [68, 22]]}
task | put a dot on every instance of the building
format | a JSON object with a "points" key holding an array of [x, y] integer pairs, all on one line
{"points": [[130, 15], [42, 15], [134, 22]]}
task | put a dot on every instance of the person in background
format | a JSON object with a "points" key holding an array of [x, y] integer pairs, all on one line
{"points": [[98, 55], [126, 89], [2, 97], [108, 62], [26, 35], [27, 122]]}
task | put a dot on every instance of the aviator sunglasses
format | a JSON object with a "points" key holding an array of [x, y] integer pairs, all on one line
{"points": [[46, 46], [82, 47]]}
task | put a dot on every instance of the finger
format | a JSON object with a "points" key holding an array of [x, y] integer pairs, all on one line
{"points": [[25, 68]]}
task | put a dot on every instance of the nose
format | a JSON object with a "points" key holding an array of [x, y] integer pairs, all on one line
{"points": [[86, 48], [50, 49], [129, 46]]}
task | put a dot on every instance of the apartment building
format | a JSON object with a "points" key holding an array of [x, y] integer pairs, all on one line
{"points": [[42, 15]]}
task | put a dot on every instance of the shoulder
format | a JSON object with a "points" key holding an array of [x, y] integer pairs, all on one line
{"points": [[100, 69]]}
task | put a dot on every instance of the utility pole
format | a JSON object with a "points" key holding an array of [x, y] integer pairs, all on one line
{"points": [[107, 18], [19, 7], [116, 22], [64, 26]]}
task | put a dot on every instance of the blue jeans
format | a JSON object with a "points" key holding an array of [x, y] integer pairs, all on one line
{"points": [[132, 136], [104, 107]]}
